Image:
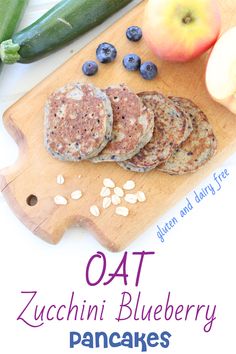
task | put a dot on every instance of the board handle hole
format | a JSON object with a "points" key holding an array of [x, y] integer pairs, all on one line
{"points": [[32, 200]]}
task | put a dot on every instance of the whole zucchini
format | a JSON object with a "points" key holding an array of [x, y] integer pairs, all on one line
{"points": [[10, 14], [65, 21]]}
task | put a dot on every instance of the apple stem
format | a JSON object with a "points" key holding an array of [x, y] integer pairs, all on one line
{"points": [[187, 19]]}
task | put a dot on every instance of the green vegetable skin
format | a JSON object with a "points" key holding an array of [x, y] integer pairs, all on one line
{"points": [[64, 22], [10, 14]]}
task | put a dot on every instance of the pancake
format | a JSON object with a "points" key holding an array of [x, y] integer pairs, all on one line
{"points": [[198, 148], [78, 122], [171, 127], [133, 125]]}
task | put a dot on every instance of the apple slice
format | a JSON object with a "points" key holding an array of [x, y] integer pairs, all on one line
{"points": [[221, 71]]}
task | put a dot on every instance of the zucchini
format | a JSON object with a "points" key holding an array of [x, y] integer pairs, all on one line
{"points": [[10, 14], [64, 22]]}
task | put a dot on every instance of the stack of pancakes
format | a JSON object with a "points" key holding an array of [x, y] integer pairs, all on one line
{"points": [[140, 132]]}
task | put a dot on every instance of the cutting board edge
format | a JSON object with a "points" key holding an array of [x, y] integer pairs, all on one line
{"points": [[58, 233]]}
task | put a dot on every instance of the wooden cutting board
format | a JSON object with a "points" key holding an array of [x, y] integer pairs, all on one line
{"points": [[32, 179]]}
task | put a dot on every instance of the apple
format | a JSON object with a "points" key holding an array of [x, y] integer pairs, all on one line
{"points": [[221, 71], [180, 30]]}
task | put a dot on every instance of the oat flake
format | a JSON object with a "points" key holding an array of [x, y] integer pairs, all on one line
{"points": [[60, 179], [115, 199], [76, 195], [122, 211], [60, 200], [141, 196], [129, 185], [107, 182], [131, 198], [105, 192], [94, 210], [119, 192], [106, 202]]}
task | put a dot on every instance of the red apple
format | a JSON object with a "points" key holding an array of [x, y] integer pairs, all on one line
{"points": [[180, 30]]}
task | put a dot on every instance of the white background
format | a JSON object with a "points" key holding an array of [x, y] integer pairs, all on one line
{"points": [[196, 263]]}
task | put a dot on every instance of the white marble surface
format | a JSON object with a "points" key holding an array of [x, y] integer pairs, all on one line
{"points": [[196, 262]]}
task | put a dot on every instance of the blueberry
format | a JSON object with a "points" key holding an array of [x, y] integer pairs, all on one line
{"points": [[106, 53], [134, 33], [132, 62], [90, 68], [148, 70]]}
